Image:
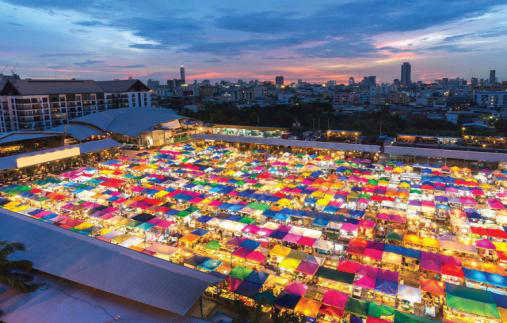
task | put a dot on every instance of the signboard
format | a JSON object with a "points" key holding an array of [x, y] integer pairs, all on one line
{"points": [[31, 160]]}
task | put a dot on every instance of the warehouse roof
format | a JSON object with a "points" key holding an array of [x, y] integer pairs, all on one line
{"points": [[292, 143], [78, 131], [129, 121], [27, 135], [106, 267], [446, 153], [10, 162]]}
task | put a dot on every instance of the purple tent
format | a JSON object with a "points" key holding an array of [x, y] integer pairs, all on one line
{"points": [[386, 286]]}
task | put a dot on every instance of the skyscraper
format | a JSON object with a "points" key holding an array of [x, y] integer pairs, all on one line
{"points": [[492, 77], [406, 71], [369, 81], [279, 80], [182, 74]]}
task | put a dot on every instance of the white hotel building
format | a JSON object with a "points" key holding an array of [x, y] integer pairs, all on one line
{"points": [[27, 104]]}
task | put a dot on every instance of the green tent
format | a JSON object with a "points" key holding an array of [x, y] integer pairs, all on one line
{"points": [[240, 272], [335, 275], [472, 306], [394, 236], [247, 220], [213, 245], [357, 307], [265, 298], [400, 317], [182, 214], [471, 300], [379, 310]]}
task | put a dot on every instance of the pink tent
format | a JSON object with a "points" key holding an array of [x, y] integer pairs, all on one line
{"points": [[306, 241], [107, 216], [265, 232], [215, 203], [251, 228], [296, 288], [367, 224], [485, 244], [349, 266], [335, 298], [293, 238], [349, 227], [242, 252], [496, 204], [366, 282], [164, 224], [256, 256], [232, 283], [373, 253]]}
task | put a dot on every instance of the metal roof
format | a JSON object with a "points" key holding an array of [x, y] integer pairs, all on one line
{"points": [[104, 266], [86, 305], [129, 121], [20, 135], [78, 131], [292, 143], [9, 162], [445, 153]]}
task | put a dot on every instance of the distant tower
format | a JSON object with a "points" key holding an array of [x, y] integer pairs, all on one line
{"points": [[406, 71], [352, 81], [182, 74], [279, 80], [492, 77]]}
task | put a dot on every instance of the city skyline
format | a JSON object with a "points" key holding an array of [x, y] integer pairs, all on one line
{"points": [[311, 41]]}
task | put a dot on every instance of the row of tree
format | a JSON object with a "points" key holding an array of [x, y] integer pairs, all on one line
{"points": [[322, 116]]}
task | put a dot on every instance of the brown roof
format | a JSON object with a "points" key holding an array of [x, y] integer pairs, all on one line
{"points": [[43, 87], [122, 86]]}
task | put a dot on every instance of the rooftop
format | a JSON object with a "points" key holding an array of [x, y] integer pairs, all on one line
{"points": [[129, 121], [106, 267]]}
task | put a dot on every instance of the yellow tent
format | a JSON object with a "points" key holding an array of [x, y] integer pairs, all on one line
{"points": [[430, 242], [160, 194], [189, 238], [391, 258], [290, 264], [412, 239], [280, 251], [83, 226], [308, 307]]}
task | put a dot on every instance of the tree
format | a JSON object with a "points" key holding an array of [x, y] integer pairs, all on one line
{"points": [[16, 274]]}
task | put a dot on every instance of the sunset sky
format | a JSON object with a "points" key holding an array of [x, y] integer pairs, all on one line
{"points": [[313, 40]]}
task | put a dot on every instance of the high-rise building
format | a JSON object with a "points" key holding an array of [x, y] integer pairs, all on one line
{"points": [[406, 71], [492, 77], [351, 80], [182, 74], [153, 84], [474, 81], [279, 80], [369, 81]]}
